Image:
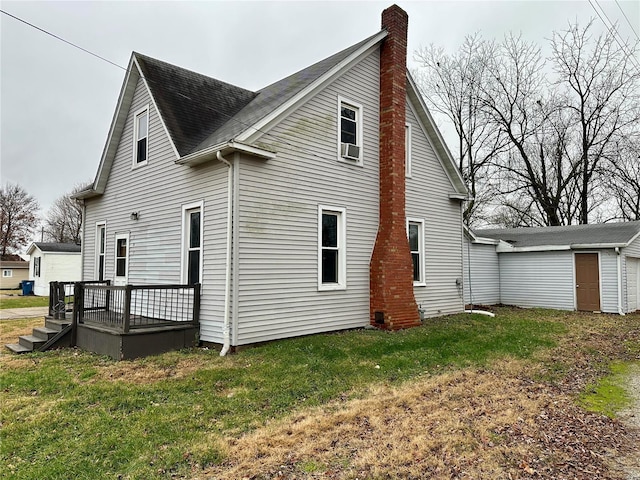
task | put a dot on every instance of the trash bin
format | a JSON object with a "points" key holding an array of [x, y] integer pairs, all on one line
{"points": [[27, 287]]}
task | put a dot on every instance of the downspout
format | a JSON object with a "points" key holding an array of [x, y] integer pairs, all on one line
{"points": [[226, 330], [620, 310]]}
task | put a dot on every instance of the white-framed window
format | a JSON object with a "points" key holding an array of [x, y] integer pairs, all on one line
{"points": [[407, 150], [415, 233], [141, 137], [101, 248], [122, 258], [192, 216], [36, 266], [332, 248], [7, 273], [350, 131]]}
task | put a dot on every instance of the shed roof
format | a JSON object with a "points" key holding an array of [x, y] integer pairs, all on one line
{"points": [[609, 234], [56, 247]]}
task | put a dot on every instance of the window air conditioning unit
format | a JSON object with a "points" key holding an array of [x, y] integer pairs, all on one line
{"points": [[350, 151]]}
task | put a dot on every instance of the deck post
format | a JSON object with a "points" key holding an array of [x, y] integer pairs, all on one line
{"points": [[107, 295], [78, 304], [61, 307], [52, 294], [196, 304], [127, 309]]}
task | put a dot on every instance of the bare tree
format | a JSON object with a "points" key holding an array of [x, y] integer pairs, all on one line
{"points": [[602, 87], [624, 184], [17, 216], [451, 85], [63, 222]]}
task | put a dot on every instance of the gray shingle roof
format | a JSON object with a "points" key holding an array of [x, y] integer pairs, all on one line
{"points": [[14, 264], [192, 105], [603, 233], [215, 111], [58, 247]]}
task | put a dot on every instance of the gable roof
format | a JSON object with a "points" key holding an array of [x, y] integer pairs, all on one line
{"points": [[192, 105], [203, 116], [603, 235], [14, 264], [52, 247]]}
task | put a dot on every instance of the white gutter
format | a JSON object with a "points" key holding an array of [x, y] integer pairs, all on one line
{"points": [[210, 153], [226, 335], [620, 310]]}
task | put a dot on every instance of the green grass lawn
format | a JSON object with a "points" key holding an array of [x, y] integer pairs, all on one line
{"points": [[70, 414], [18, 301]]}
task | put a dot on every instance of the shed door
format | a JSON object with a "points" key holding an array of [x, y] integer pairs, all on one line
{"points": [[587, 282], [633, 283]]}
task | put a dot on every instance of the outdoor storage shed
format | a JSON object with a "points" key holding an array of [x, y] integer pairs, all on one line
{"points": [[576, 267], [51, 262]]}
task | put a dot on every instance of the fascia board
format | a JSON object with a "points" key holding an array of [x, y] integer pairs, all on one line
{"points": [[435, 138], [251, 134], [225, 148], [117, 126], [155, 105], [538, 248], [578, 246]]}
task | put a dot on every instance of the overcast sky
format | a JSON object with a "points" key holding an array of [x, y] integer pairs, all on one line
{"points": [[57, 102]]}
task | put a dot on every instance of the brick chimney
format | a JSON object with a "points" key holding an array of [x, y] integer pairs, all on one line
{"points": [[393, 305]]}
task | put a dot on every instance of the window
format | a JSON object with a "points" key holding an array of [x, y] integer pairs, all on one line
{"points": [[331, 248], [7, 273], [101, 241], [141, 137], [192, 243], [407, 150], [121, 257], [36, 266], [415, 232], [350, 131]]}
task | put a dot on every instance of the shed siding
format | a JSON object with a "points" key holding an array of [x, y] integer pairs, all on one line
{"points": [[427, 198], [278, 217], [485, 274], [630, 290], [157, 191], [537, 279], [608, 281]]}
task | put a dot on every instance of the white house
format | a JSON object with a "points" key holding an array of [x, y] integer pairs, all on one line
{"points": [[325, 201], [53, 262], [576, 267]]}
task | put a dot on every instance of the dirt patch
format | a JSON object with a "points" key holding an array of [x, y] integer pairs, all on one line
{"points": [[468, 424], [149, 372]]}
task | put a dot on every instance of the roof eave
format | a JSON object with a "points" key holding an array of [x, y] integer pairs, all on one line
{"points": [[225, 148]]}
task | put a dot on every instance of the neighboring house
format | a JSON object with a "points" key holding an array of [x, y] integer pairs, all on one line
{"points": [[14, 271], [577, 267], [289, 205], [53, 262]]}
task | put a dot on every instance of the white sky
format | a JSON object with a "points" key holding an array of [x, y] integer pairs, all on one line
{"points": [[57, 102]]}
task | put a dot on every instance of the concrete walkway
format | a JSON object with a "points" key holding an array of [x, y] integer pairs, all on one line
{"points": [[28, 312]]}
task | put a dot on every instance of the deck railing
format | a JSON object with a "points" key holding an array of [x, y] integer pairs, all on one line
{"points": [[128, 307], [61, 297]]}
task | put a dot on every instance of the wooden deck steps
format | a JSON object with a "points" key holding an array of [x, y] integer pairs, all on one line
{"points": [[54, 333]]}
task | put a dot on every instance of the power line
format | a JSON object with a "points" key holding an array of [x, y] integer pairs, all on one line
{"points": [[230, 117], [61, 39], [627, 19], [614, 33]]}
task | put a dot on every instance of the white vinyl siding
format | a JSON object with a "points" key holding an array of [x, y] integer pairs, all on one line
{"points": [[407, 150], [608, 261], [54, 266], [278, 217], [538, 279], [428, 191], [629, 255], [157, 193], [484, 288]]}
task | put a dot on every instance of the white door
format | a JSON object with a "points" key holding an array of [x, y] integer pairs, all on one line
{"points": [[633, 284], [122, 259]]}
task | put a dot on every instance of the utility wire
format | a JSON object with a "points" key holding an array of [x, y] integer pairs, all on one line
{"points": [[61, 39], [230, 117], [614, 32], [627, 19]]}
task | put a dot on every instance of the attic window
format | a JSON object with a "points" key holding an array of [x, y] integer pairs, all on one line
{"points": [[350, 131], [141, 137]]}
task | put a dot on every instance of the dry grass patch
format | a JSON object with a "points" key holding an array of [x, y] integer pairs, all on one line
{"points": [[11, 330], [467, 424], [148, 371]]}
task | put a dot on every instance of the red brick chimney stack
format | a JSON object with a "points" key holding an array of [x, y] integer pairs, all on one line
{"points": [[393, 304]]}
